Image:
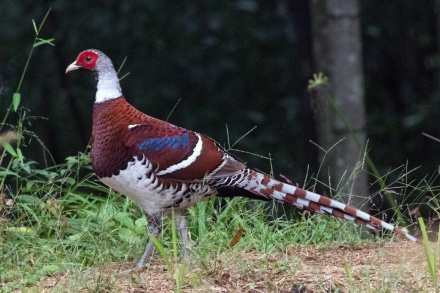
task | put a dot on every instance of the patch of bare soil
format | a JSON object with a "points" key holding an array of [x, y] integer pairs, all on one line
{"points": [[390, 267]]}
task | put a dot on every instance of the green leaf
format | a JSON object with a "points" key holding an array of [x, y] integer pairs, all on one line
{"points": [[124, 219], [33, 278], [128, 236], [75, 237], [10, 149], [22, 230], [41, 42], [20, 155], [141, 222], [30, 199], [30, 211], [70, 180], [7, 173], [50, 269], [107, 212], [27, 168], [35, 26], [16, 100], [29, 184]]}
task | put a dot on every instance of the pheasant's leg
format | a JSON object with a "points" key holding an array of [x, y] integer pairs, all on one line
{"points": [[182, 225], [154, 228]]}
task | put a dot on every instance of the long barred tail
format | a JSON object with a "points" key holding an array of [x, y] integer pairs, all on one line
{"points": [[270, 188]]}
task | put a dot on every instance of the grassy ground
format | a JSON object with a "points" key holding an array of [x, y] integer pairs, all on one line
{"points": [[270, 257], [57, 235], [387, 267]]}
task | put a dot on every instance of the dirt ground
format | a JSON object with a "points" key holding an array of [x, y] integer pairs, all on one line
{"points": [[397, 266]]}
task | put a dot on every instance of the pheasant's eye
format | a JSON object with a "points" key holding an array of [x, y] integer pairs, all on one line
{"points": [[88, 58]]}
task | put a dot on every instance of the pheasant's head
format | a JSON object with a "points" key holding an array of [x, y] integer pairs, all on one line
{"points": [[107, 80], [88, 60]]}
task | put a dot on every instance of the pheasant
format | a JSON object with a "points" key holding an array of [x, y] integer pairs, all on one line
{"points": [[163, 167]]}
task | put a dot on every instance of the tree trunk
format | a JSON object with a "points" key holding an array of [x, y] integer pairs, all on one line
{"points": [[337, 54]]}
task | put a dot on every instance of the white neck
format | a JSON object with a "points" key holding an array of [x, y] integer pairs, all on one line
{"points": [[108, 86]]}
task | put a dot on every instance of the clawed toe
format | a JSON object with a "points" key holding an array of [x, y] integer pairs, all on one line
{"points": [[136, 269]]}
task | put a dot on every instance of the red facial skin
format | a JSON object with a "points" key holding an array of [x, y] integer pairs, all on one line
{"points": [[87, 59]]}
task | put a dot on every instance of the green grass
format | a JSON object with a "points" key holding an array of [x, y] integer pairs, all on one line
{"points": [[430, 254], [54, 227], [58, 223]]}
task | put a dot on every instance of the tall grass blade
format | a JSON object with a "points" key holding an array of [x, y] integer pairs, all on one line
{"points": [[201, 215], [172, 110], [182, 275], [161, 251], [173, 234], [37, 32], [122, 65], [431, 256], [348, 275], [177, 274]]}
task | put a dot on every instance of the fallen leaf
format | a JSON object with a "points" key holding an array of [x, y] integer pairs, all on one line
{"points": [[236, 238]]}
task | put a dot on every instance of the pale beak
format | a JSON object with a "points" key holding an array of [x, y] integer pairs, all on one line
{"points": [[72, 66]]}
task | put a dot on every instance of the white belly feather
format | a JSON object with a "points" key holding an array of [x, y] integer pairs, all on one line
{"points": [[139, 183]]}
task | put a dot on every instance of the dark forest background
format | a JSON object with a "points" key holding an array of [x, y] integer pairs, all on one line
{"points": [[242, 63]]}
